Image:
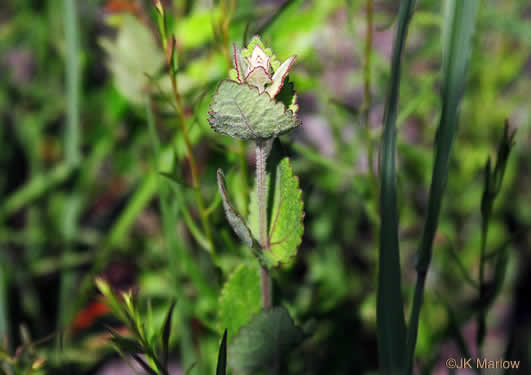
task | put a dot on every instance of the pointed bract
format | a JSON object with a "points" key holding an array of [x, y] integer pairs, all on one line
{"points": [[279, 76], [239, 64]]}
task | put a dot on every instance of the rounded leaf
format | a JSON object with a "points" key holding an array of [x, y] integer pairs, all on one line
{"points": [[240, 111]]}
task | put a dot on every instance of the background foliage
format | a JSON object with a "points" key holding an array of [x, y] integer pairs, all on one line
{"points": [[83, 91]]}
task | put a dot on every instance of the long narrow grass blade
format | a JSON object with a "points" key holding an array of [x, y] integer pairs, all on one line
{"points": [[4, 320], [166, 331], [35, 188], [459, 24], [390, 311], [72, 206], [72, 133]]}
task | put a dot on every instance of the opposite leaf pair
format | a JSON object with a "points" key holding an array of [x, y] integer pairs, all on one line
{"points": [[285, 226]]}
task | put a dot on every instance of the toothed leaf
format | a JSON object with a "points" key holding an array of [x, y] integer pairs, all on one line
{"points": [[240, 298], [287, 96], [270, 334], [239, 110], [132, 55], [286, 226]]}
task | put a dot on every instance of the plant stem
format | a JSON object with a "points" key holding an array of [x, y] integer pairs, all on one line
{"points": [[227, 11], [4, 318], [72, 130], [205, 222], [265, 284], [367, 99], [72, 206], [261, 157], [482, 316], [244, 175]]}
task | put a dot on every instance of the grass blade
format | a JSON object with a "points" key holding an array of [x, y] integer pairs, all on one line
{"points": [[35, 188], [72, 133], [222, 356], [4, 319], [166, 330], [390, 312], [73, 204], [459, 23]]}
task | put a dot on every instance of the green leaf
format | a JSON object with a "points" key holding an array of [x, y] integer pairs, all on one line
{"points": [[171, 178], [133, 54], [191, 29], [221, 368], [239, 110], [504, 149], [241, 228], [287, 96], [125, 344], [459, 23], [391, 329], [500, 272], [113, 302], [147, 368], [166, 330], [240, 299], [259, 344], [235, 220], [286, 227]]}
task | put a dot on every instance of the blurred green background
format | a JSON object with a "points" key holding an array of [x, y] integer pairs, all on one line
{"points": [[79, 188]]}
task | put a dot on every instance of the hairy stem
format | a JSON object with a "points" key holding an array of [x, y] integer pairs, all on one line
{"points": [[261, 157], [244, 175]]}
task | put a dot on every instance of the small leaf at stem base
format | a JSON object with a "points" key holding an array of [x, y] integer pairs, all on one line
{"points": [[259, 344], [240, 298]]}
